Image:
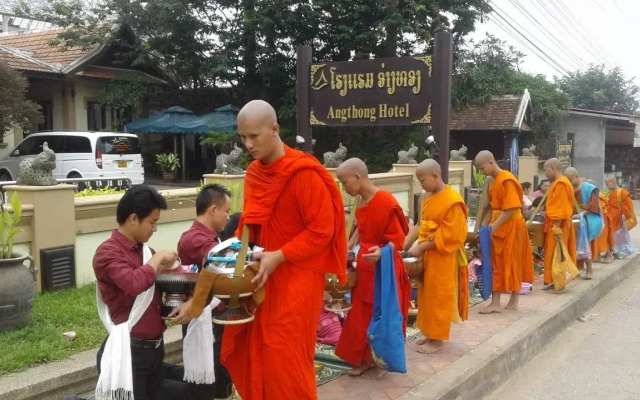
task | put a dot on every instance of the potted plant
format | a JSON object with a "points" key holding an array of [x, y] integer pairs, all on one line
{"points": [[17, 283], [168, 163]]}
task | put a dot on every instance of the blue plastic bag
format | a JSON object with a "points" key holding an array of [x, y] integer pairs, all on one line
{"points": [[623, 247], [484, 271], [583, 247], [385, 334]]}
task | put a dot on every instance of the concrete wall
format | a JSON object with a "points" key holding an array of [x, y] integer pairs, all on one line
{"points": [[588, 145]]}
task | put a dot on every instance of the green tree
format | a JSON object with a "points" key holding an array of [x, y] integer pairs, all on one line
{"points": [[15, 109], [601, 89], [491, 68]]}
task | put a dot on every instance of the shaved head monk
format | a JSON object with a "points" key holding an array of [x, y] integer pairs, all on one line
{"points": [[619, 205], [381, 221], [559, 210], [587, 199], [294, 210], [510, 246], [443, 297]]}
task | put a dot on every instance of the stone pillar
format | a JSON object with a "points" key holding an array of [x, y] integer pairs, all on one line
{"points": [[54, 219], [527, 168], [333, 172], [69, 105], [410, 168], [466, 166], [235, 183]]}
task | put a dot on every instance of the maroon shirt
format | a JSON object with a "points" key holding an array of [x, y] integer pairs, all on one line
{"points": [[121, 278], [195, 243]]}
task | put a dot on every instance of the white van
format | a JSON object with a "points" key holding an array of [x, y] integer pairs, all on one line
{"points": [[81, 155]]}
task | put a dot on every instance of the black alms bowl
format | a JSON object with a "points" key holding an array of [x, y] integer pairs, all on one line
{"points": [[177, 282]]}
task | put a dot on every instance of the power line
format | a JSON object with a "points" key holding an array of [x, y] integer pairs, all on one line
{"points": [[539, 52], [571, 34], [577, 60], [585, 33]]}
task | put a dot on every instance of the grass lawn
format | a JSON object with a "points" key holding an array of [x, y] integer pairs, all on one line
{"points": [[53, 313]]}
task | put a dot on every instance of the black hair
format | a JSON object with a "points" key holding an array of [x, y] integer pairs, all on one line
{"points": [[211, 194], [536, 201], [140, 200], [542, 182], [526, 185], [230, 228]]}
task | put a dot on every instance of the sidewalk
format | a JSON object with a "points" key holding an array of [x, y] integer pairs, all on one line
{"points": [[483, 350]]}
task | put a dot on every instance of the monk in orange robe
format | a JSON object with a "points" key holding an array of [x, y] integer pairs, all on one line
{"points": [[559, 210], [294, 210], [619, 205], [444, 295], [381, 221], [591, 211], [602, 243], [510, 246]]}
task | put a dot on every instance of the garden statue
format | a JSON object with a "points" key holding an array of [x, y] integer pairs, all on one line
{"points": [[458, 155], [37, 171], [528, 151], [333, 160], [409, 156], [230, 163]]}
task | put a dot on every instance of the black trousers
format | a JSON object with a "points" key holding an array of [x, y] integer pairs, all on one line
{"points": [[152, 378], [221, 388]]}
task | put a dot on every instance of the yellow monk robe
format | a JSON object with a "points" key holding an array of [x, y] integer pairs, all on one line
{"points": [[619, 204], [441, 298], [510, 246], [559, 207], [602, 242]]}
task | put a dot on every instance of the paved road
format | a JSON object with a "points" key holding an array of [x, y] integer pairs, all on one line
{"points": [[596, 359]]}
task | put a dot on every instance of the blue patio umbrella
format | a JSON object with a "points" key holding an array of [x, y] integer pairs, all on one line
{"points": [[222, 119], [175, 120]]}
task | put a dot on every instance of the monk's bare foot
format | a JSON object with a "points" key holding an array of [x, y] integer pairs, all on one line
{"points": [[549, 287], [422, 340], [358, 371], [491, 309], [564, 289], [374, 374], [513, 302], [430, 347]]}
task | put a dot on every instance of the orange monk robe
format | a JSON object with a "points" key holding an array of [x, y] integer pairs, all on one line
{"points": [[444, 221], [380, 221], [602, 242], [593, 206], [620, 203], [292, 204], [559, 207], [510, 246]]}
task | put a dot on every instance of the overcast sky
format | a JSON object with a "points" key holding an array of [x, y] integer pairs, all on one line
{"points": [[572, 33]]}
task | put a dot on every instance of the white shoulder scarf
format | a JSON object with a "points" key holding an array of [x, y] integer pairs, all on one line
{"points": [[197, 346], [116, 376]]}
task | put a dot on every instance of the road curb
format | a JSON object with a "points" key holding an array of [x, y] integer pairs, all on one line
{"points": [[487, 366], [47, 382]]}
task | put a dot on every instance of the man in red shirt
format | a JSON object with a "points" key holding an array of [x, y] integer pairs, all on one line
{"points": [[212, 209], [122, 276]]}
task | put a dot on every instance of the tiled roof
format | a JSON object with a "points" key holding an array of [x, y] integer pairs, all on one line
{"points": [[36, 44], [498, 113], [17, 60]]}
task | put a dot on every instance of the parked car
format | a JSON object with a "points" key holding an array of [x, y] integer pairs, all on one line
{"points": [[81, 155]]}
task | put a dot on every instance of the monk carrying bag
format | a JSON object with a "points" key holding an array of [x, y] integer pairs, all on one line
{"points": [[385, 334]]}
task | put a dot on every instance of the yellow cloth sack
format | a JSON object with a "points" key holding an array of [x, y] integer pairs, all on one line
{"points": [[563, 270]]}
